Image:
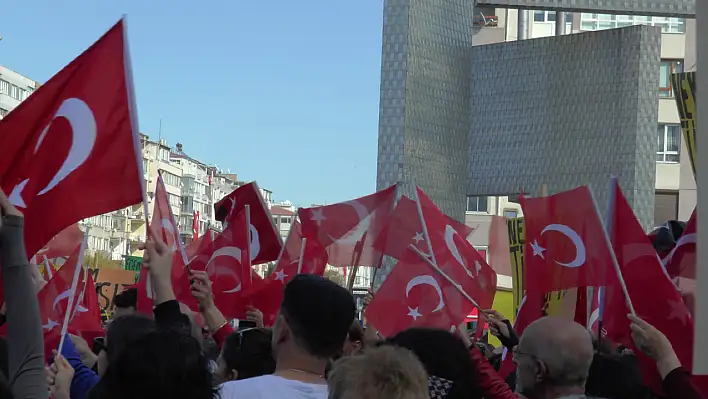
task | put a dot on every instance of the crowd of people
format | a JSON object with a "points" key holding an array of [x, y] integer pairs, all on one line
{"points": [[316, 349]]}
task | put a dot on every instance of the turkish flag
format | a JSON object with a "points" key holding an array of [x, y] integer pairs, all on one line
{"points": [[348, 230], [71, 150], [456, 257], [163, 223], [566, 244], [265, 238], [405, 228], [63, 243], [87, 314], [226, 261], [654, 296], [415, 295], [681, 261], [268, 294]]}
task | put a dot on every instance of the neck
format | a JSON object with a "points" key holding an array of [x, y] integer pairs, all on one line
{"points": [[295, 364], [560, 392]]}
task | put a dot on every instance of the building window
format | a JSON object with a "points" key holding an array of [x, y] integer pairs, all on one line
{"points": [[668, 67], [145, 165], [164, 154], [170, 179], [510, 213], [285, 220], [174, 200], [550, 16], [669, 142], [3, 112], [590, 21], [4, 87], [477, 204]]}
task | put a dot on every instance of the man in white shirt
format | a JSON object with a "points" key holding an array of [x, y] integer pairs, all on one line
{"points": [[311, 327]]}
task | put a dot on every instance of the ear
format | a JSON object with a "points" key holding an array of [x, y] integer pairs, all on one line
{"points": [[357, 346], [281, 332], [541, 371], [233, 375]]}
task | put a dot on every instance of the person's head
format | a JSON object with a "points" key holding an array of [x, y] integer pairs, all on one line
{"points": [[314, 319], [615, 377], [386, 372], [553, 358], [126, 302], [444, 357], [159, 364], [354, 343], [246, 354], [195, 330], [120, 334]]}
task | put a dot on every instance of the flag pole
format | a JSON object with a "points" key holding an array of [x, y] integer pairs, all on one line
{"points": [[457, 286], [303, 243], [612, 253], [247, 208], [72, 293]]}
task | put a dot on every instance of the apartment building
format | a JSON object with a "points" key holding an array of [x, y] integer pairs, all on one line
{"points": [[675, 186], [14, 88]]}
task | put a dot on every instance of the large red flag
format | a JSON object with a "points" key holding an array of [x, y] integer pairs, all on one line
{"points": [[163, 223], [416, 295], [405, 228], [268, 294], [63, 243], [348, 230], [566, 245], [455, 256], [654, 296], [226, 261], [265, 238], [71, 150]]}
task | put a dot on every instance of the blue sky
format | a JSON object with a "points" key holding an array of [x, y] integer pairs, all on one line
{"points": [[282, 92]]}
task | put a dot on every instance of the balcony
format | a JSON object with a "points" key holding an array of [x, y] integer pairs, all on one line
{"points": [[484, 21]]}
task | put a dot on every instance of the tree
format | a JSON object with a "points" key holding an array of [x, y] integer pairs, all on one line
{"points": [[335, 275]]}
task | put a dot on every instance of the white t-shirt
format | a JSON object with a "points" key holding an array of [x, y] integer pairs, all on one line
{"points": [[272, 387]]}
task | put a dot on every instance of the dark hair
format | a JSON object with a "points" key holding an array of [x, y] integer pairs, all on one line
{"points": [[4, 367], [5, 389], [123, 331], [128, 298], [319, 313], [160, 364], [615, 377], [249, 352], [443, 355], [356, 332]]}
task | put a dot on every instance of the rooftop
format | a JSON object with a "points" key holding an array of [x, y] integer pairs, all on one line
{"points": [[278, 211]]}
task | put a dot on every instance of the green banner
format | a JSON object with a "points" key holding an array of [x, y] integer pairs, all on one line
{"points": [[132, 263]]}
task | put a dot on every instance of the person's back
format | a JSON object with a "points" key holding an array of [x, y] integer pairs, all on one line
{"points": [[311, 327]]}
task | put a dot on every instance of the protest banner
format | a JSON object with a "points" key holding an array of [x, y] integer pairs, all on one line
{"points": [[684, 87], [109, 283]]}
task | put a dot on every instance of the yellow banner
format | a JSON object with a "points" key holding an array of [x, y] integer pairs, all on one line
{"points": [[684, 86], [555, 305]]}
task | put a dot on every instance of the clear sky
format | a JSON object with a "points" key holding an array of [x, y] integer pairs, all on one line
{"points": [[279, 91]]}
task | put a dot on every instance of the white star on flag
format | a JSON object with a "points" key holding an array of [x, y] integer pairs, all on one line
{"points": [[317, 216], [50, 324], [414, 313], [280, 275], [537, 249], [418, 238]]}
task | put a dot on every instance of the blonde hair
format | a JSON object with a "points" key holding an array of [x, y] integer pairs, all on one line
{"points": [[386, 372]]}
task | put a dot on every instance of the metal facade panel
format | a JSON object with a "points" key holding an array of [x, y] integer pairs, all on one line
{"points": [[668, 8], [567, 111]]}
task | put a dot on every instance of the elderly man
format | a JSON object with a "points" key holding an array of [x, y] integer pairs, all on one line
{"points": [[553, 359]]}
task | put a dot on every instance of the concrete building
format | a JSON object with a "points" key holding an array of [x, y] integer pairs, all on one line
{"points": [[675, 196], [14, 88], [284, 215], [197, 198], [475, 116]]}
